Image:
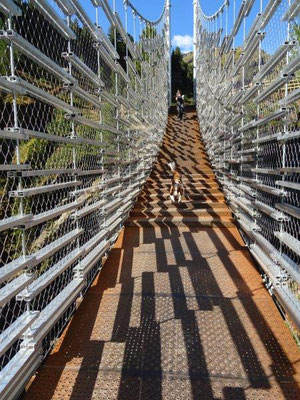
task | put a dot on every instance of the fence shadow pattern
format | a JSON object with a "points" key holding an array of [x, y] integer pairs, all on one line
{"points": [[178, 312]]}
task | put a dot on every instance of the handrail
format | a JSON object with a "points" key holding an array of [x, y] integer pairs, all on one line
{"points": [[155, 22], [80, 141], [217, 13]]}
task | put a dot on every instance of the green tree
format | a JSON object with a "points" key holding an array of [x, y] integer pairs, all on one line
{"points": [[182, 74], [121, 46], [149, 32]]}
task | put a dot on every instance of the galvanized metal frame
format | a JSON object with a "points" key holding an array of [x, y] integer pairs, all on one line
{"points": [[127, 147], [242, 118]]}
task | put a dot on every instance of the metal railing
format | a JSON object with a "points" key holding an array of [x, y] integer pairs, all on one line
{"points": [[82, 117], [247, 84]]}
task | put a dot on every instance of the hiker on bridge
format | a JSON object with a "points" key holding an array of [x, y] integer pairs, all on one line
{"points": [[180, 104]]}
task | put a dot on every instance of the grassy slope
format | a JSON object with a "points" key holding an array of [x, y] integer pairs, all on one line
{"points": [[188, 58]]}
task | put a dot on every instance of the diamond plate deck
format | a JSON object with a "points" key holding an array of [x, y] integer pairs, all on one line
{"points": [[176, 313]]}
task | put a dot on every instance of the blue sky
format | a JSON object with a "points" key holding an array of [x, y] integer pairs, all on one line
{"points": [[181, 16]]}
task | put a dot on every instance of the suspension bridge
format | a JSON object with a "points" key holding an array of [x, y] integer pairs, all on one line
{"points": [[108, 289]]}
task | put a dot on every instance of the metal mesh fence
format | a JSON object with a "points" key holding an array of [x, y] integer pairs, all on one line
{"points": [[83, 109], [247, 83]]}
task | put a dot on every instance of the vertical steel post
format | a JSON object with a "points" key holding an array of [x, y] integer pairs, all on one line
{"points": [[195, 5], [168, 20]]}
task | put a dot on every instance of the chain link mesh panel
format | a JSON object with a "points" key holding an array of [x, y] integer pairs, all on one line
{"points": [[84, 102], [247, 87]]}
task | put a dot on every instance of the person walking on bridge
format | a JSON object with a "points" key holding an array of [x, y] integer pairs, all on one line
{"points": [[180, 104]]}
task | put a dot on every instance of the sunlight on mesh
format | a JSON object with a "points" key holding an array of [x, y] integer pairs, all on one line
{"points": [[247, 90]]}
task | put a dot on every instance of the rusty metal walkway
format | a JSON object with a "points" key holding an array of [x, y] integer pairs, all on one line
{"points": [[179, 310]]}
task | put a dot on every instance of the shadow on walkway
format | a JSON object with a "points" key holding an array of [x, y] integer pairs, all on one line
{"points": [[178, 312]]}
